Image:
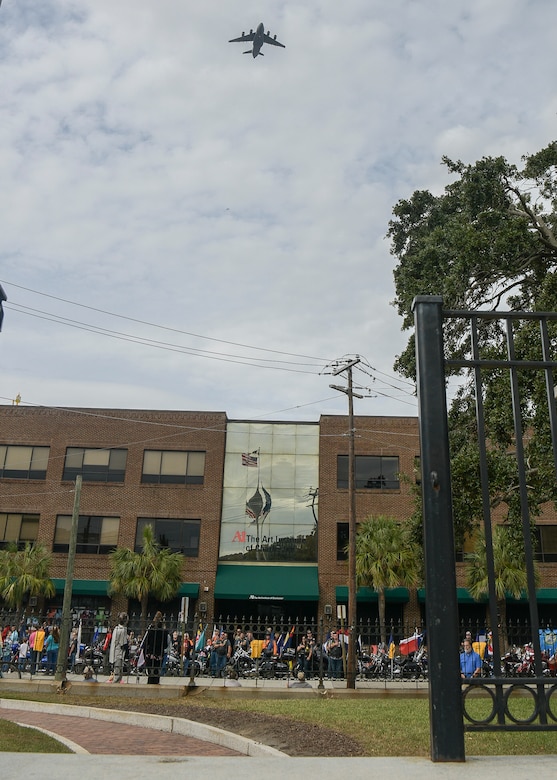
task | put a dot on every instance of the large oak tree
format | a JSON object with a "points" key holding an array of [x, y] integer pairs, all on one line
{"points": [[489, 241]]}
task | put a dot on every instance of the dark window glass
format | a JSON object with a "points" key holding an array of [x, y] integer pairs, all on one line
{"points": [[95, 465], [95, 534], [178, 535], [371, 472], [546, 547]]}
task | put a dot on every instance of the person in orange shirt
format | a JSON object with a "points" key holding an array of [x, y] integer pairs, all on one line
{"points": [[36, 643]]}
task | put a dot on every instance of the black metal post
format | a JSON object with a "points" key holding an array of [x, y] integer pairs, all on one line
{"points": [[445, 697]]}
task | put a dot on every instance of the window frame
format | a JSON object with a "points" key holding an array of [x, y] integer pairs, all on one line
{"points": [[187, 551], [378, 483], [164, 476], [540, 554], [111, 472], [84, 532], [29, 472], [24, 517]]}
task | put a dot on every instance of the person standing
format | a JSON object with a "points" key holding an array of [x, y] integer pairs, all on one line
{"points": [[119, 647], [470, 661], [333, 648], [222, 649], [52, 645], [22, 655], [36, 643], [153, 646]]}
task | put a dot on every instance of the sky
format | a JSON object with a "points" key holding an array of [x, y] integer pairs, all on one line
{"points": [[186, 227]]}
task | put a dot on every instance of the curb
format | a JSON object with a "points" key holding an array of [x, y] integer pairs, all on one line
{"points": [[188, 728]]}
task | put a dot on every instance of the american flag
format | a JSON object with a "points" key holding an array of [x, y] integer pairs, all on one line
{"points": [[249, 459]]}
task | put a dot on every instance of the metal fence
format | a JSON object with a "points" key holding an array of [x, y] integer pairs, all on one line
{"points": [[396, 652], [501, 703]]}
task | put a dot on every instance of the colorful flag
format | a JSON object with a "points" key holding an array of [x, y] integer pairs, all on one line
{"points": [[249, 459], [391, 647], [548, 640], [200, 639], [410, 645], [288, 638]]}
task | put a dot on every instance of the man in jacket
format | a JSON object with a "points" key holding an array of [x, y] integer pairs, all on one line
{"points": [[119, 647]]}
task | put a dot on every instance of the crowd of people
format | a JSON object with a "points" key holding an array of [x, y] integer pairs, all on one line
{"points": [[30, 646]]}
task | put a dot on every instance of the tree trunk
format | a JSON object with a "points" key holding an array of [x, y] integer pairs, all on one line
{"points": [[381, 606]]}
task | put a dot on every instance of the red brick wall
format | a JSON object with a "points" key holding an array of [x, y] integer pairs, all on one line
{"points": [[373, 436], [134, 430]]}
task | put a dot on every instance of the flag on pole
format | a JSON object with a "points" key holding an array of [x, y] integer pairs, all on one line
{"points": [[200, 639], [411, 644], [250, 459], [391, 647]]}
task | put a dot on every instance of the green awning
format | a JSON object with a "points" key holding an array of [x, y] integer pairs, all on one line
{"points": [[84, 587], [267, 583], [543, 595], [547, 595], [190, 589], [398, 595]]}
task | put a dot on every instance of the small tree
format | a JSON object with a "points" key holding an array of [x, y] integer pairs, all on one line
{"points": [[25, 573], [385, 558], [155, 570], [510, 572]]}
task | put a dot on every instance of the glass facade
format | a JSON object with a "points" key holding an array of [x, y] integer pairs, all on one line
{"points": [[270, 474]]}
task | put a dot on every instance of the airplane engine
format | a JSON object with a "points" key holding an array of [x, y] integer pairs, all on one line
{"points": [[269, 33], [251, 32], [243, 33], [275, 37]]}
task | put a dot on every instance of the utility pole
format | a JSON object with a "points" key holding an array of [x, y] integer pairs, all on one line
{"points": [[62, 662], [352, 607]]}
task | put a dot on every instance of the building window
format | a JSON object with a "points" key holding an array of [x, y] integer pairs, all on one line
{"points": [[20, 462], [18, 528], [546, 547], [371, 472], [179, 535], [168, 467], [95, 534], [342, 541], [95, 465]]}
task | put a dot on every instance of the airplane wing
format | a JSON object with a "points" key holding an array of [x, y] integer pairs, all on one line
{"points": [[273, 41], [249, 37]]}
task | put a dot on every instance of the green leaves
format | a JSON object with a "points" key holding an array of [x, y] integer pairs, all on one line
{"points": [[155, 570], [25, 573]]}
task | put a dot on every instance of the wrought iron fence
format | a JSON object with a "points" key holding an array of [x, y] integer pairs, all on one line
{"points": [[486, 703]]}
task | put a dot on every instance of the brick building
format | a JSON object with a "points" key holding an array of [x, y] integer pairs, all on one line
{"points": [[242, 501]]}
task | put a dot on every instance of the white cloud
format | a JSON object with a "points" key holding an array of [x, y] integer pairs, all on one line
{"points": [[151, 169]]}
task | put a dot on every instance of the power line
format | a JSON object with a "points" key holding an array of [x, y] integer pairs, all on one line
{"points": [[165, 327]]}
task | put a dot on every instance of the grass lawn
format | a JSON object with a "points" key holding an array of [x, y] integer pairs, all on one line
{"points": [[384, 727], [19, 739]]}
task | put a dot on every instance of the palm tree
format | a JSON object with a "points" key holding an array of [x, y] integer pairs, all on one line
{"points": [[385, 558], [25, 573], [510, 572], [155, 570]]}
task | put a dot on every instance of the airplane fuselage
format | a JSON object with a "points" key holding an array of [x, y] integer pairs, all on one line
{"points": [[259, 39]]}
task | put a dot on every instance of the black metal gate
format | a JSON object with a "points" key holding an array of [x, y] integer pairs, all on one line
{"points": [[486, 703]]}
